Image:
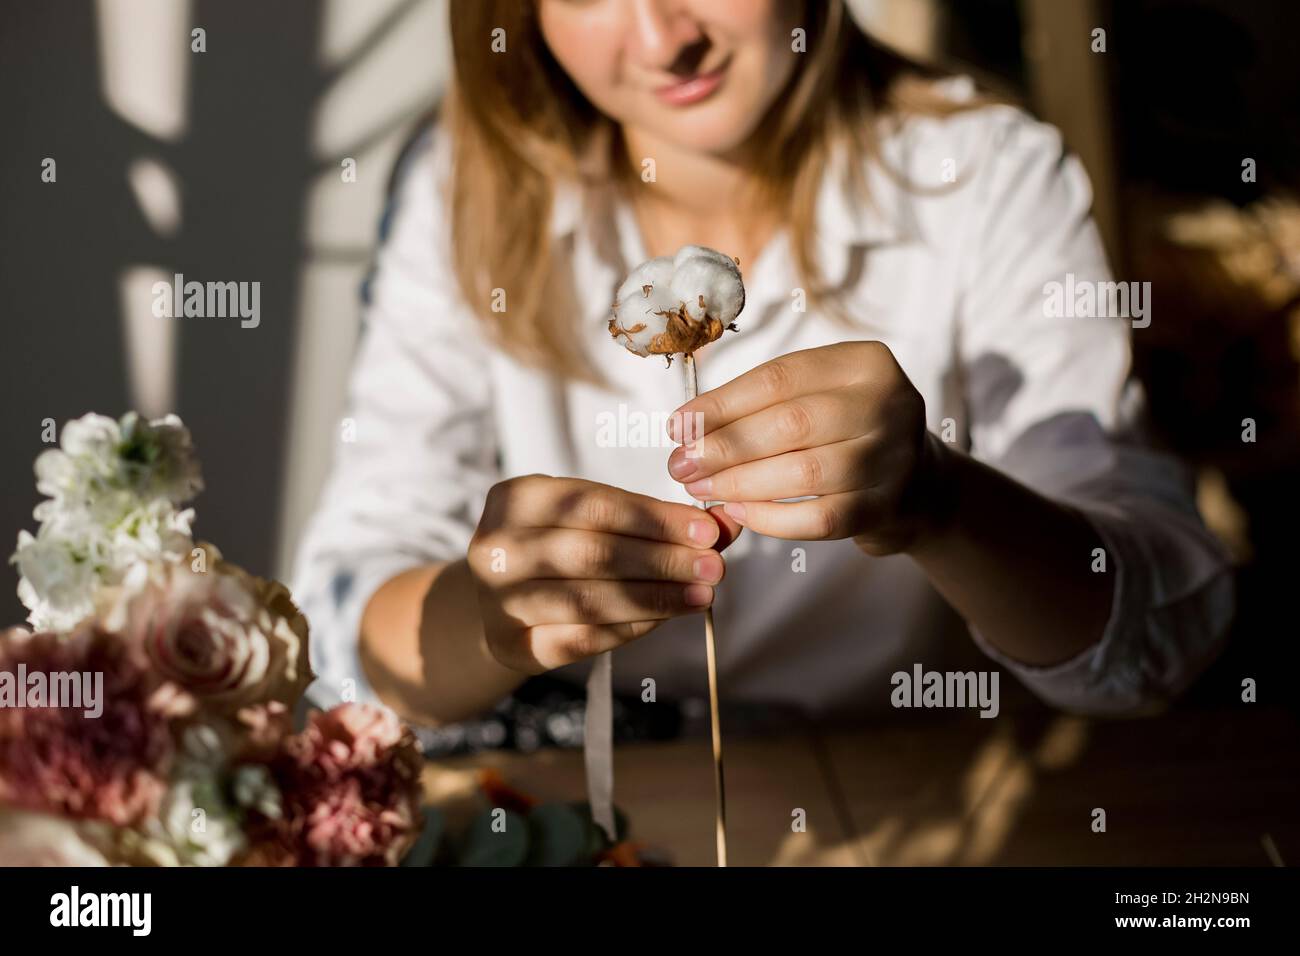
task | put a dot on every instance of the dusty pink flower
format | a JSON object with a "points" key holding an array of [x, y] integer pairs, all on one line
{"points": [[59, 760], [351, 790], [228, 638]]}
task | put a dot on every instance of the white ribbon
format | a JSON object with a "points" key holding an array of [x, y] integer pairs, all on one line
{"points": [[598, 744]]}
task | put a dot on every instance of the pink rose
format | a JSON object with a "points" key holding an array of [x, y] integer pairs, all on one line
{"points": [[228, 638]]}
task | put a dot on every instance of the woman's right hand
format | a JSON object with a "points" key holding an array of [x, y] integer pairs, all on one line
{"points": [[567, 569]]}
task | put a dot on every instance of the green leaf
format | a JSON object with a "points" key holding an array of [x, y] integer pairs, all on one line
{"points": [[597, 842], [425, 848], [485, 846], [557, 836]]}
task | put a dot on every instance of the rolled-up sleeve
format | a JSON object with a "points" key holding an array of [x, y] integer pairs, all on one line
{"points": [[1051, 401], [416, 452]]}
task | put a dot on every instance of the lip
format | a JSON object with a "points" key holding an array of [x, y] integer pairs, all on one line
{"points": [[695, 88]]}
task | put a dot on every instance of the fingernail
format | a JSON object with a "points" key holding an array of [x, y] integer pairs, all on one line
{"points": [[699, 595], [683, 468], [700, 489], [737, 511], [702, 532], [673, 426], [708, 568]]}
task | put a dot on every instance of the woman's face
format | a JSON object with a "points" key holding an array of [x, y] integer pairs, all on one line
{"points": [[699, 74]]}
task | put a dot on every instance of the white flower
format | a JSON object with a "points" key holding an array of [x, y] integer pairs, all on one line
{"points": [[156, 459], [113, 489], [84, 467], [201, 826], [196, 824], [148, 533], [194, 827], [72, 556], [58, 580], [87, 447], [253, 789], [680, 304], [91, 437], [100, 462]]}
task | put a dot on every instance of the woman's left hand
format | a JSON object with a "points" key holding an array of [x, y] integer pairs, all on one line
{"points": [[841, 423]]}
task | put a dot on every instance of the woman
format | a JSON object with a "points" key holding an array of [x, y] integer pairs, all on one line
{"points": [[896, 362]]}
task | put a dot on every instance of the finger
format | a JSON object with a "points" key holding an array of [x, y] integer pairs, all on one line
{"points": [[602, 602], [541, 501], [828, 470], [549, 646], [730, 528], [587, 506], [781, 379], [817, 519], [564, 553], [808, 421]]}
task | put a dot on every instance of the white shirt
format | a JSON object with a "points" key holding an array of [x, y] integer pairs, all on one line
{"points": [[951, 277]]}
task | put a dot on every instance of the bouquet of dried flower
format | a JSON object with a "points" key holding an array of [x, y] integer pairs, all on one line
{"points": [[147, 717]]}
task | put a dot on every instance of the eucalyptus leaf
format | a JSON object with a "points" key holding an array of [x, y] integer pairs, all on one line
{"points": [[425, 848], [504, 846], [557, 836], [597, 842]]}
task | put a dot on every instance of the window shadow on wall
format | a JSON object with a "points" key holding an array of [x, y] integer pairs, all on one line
{"points": [[243, 165]]}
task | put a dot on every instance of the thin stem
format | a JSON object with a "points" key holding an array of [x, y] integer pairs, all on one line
{"points": [[711, 651]]}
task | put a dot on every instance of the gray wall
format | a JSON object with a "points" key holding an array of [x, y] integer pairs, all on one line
{"points": [[224, 165]]}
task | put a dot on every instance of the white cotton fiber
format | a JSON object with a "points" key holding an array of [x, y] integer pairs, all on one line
{"points": [[667, 306]]}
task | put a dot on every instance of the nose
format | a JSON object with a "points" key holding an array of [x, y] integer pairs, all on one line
{"points": [[660, 31]]}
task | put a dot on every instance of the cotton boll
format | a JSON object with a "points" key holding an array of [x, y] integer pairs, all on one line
{"points": [[667, 306], [657, 276], [703, 252], [643, 305], [708, 283]]}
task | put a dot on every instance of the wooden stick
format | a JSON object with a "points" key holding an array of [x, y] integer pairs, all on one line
{"points": [[719, 787], [711, 649]]}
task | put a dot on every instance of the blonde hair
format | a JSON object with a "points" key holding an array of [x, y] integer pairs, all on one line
{"points": [[512, 140]]}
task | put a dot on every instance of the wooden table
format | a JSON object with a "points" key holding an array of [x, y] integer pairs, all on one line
{"points": [[1191, 787]]}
